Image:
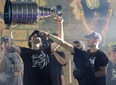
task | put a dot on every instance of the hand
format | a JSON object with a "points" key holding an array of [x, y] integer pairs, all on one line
{"points": [[59, 19], [46, 34]]}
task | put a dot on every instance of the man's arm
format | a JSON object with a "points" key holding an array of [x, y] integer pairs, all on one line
{"points": [[59, 58], [60, 21], [60, 39], [60, 32], [61, 42], [102, 72], [11, 41], [102, 61]]}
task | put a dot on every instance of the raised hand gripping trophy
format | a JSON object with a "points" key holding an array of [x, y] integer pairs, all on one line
{"points": [[16, 13]]}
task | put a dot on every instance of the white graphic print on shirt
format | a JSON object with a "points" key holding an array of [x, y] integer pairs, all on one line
{"points": [[92, 60], [40, 60]]}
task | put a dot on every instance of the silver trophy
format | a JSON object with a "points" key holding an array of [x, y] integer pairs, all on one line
{"points": [[28, 12]]}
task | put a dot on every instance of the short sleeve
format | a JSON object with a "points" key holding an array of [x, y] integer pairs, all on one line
{"points": [[23, 51], [102, 60], [80, 58]]}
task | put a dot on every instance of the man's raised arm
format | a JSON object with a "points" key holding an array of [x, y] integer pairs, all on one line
{"points": [[61, 42]]}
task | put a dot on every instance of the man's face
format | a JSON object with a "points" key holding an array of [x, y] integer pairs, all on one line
{"points": [[91, 42], [77, 45], [35, 39], [4, 45]]}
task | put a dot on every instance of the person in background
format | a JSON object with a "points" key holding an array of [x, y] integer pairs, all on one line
{"points": [[11, 65], [97, 57], [82, 71], [81, 60], [57, 60], [111, 71]]}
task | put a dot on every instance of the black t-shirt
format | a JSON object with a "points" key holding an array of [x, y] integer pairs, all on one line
{"points": [[56, 68], [80, 58], [81, 61], [54, 61], [36, 70], [111, 74], [98, 59]]}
